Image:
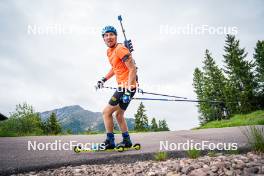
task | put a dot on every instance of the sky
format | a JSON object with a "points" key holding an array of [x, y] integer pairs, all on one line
{"points": [[52, 52]]}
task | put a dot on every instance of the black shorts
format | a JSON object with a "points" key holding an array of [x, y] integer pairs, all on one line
{"points": [[117, 98]]}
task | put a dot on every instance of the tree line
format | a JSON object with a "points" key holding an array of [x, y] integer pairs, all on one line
{"points": [[142, 121], [25, 121], [236, 88]]}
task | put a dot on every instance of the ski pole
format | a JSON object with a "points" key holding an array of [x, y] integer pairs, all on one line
{"points": [[127, 43], [150, 93], [164, 99], [181, 99], [123, 30], [164, 95]]}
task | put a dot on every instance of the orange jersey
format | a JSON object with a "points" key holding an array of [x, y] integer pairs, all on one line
{"points": [[115, 56]]}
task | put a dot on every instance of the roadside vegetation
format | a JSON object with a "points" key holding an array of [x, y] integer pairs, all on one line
{"points": [[254, 118], [255, 137], [161, 156], [193, 153], [235, 87], [25, 121]]}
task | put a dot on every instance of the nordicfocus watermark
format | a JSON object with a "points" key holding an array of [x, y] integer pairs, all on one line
{"points": [[58, 145], [61, 29], [203, 145], [191, 29]]}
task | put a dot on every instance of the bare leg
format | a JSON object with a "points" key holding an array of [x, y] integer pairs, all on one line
{"points": [[108, 118], [126, 142], [121, 119]]}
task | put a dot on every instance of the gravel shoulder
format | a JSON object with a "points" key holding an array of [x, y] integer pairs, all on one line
{"points": [[243, 164], [16, 157]]}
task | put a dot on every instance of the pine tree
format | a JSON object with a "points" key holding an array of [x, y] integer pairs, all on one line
{"points": [[53, 124], [69, 131], [240, 75], [198, 83], [154, 125], [259, 62], [141, 119], [210, 85], [163, 126], [159, 125], [214, 89], [231, 98], [145, 123]]}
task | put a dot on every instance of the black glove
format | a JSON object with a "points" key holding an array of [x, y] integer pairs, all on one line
{"points": [[100, 84]]}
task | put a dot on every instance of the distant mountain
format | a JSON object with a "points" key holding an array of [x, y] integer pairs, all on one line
{"points": [[78, 119]]}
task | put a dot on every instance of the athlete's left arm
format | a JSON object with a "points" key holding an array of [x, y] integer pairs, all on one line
{"points": [[130, 63]]}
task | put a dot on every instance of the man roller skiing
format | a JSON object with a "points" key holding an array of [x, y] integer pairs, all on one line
{"points": [[123, 67]]}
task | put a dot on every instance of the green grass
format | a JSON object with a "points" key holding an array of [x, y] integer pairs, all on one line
{"points": [[254, 118], [211, 153], [16, 134], [160, 156], [193, 153], [232, 152], [8, 134], [255, 138]]}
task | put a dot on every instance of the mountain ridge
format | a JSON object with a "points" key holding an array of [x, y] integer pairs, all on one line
{"points": [[78, 119]]}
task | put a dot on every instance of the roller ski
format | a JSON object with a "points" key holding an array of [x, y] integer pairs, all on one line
{"points": [[79, 149], [126, 144], [107, 145], [119, 148], [122, 148]]}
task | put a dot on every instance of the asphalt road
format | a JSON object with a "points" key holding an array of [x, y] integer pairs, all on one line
{"points": [[15, 155]]}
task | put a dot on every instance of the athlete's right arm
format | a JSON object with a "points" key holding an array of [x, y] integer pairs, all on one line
{"points": [[110, 74], [100, 83]]}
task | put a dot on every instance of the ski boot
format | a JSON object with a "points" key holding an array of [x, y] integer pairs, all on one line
{"points": [[107, 145], [125, 144]]}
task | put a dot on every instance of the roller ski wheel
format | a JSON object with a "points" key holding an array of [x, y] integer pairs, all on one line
{"points": [[122, 148], [137, 146], [77, 149], [96, 148]]}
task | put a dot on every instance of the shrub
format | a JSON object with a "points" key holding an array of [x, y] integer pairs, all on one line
{"points": [[193, 153], [255, 137], [161, 156]]}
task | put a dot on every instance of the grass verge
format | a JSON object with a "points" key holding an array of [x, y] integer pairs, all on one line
{"points": [[254, 118]]}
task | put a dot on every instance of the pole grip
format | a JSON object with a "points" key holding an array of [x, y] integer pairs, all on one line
{"points": [[120, 18], [123, 30]]}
